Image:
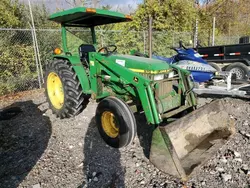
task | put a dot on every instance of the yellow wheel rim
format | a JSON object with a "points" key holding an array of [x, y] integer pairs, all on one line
{"points": [[55, 90], [109, 124]]}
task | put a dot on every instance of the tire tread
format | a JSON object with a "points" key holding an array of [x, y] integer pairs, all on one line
{"points": [[74, 97]]}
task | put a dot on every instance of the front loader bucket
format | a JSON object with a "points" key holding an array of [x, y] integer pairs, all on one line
{"points": [[179, 147]]}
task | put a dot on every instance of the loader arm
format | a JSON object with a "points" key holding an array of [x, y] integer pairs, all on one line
{"points": [[126, 77]]}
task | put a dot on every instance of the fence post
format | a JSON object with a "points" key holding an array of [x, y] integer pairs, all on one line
{"points": [[150, 37], [173, 39], [36, 44], [213, 31], [196, 34], [37, 67], [39, 59], [144, 41]]}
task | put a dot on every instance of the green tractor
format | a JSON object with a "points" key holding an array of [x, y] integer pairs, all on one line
{"points": [[123, 85]]}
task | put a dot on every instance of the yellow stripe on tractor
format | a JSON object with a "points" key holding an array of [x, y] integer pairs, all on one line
{"points": [[151, 72]]}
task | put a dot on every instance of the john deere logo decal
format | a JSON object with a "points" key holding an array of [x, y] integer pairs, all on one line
{"points": [[136, 79]]}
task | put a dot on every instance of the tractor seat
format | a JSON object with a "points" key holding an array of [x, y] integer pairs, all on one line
{"points": [[84, 50]]}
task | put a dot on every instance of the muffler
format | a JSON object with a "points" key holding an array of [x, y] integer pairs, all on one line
{"points": [[185, 144]]}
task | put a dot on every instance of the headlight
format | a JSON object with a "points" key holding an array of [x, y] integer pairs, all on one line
{"points": [[158, 77]]}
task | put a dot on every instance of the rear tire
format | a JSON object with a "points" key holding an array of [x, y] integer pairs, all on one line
{"points": [[69, 100], [240, 69], [116, 122]]}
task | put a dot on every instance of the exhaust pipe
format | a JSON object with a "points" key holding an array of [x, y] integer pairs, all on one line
{"points": [[185, 144]]}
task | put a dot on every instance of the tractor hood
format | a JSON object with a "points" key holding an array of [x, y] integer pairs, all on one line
{"points": [[139, 64]]}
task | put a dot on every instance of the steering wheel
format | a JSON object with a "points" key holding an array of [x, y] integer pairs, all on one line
{"points": [[106, 49]]}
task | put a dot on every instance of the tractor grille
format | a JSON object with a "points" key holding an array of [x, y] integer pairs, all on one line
{"points": [[165, 87], [167, 95]]}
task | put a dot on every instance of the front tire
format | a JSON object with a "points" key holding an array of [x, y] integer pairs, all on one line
{"points": [[63, 89], [116, 122]]}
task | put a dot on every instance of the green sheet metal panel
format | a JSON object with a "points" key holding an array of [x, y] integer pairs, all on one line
{"points": [[82, 17], [140, 63]]}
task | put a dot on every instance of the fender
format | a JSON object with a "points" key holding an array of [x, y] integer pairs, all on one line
{"points": [[79, 70], [246, 61]]}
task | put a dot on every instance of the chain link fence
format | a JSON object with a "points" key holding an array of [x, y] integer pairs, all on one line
{"points": [[18, 63], [21, 69], [205, 39]]}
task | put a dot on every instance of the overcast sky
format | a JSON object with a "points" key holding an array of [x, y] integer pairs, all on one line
{"points": [[121, 4]]}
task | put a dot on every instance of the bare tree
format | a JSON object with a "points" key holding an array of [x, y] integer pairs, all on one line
{"points": [[87, 3], [76, 3], [95, 3]]}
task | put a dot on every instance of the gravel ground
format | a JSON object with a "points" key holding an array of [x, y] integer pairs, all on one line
{"points": [[39, 150]]}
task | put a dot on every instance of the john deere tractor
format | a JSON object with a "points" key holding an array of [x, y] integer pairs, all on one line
{"points": [[125, 84]]}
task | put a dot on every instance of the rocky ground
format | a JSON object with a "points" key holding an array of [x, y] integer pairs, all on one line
{"points": [[39, 150]]}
